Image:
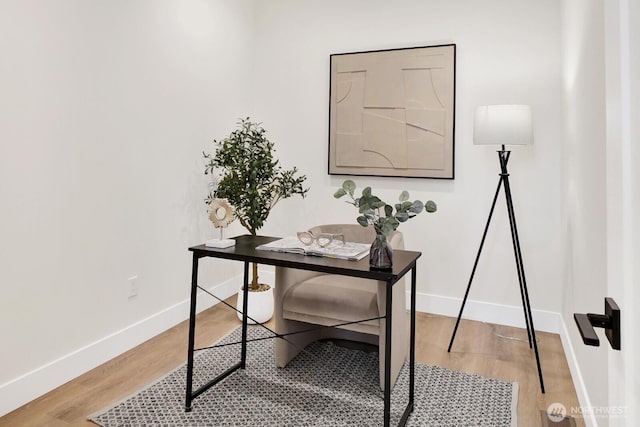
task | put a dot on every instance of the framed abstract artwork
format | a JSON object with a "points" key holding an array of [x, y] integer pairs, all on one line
{"points": [[392, 112]]}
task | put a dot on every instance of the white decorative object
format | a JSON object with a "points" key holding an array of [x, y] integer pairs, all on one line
{"points": [[221, 214], [260, 305], [392, 112]]}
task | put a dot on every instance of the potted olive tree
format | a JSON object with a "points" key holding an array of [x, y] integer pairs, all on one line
{"points": [[249, 176]]}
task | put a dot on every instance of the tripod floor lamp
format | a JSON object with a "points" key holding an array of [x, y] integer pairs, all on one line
{"points": [[505, 125]]}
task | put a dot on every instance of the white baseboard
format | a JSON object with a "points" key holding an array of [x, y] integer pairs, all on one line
{"points": [[43, 379], [499, 314], [576, 375]]}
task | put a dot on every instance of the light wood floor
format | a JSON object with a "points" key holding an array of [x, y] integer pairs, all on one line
{"points": [[480, 348]]}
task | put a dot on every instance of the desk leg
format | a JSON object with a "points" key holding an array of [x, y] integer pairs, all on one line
{"points": [[192, 331], [192, 327], [412, 351], [245, 305], [387, 355], [412, 338]]}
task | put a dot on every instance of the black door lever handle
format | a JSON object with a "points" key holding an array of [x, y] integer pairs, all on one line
{"points": [[610, 321]]}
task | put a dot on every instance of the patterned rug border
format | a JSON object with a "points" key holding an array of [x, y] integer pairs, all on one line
{"points": [[92, 418]]}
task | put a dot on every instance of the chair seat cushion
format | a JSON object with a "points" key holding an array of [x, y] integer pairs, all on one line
{"points": [[329, 299]]}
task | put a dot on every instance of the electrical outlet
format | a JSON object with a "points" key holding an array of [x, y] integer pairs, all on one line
{"points": [[133, 286]]}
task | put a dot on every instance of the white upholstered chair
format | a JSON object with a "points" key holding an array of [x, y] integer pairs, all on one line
{"points": [[304, 299]]}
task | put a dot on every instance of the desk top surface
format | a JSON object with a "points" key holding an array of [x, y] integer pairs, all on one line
{"points": [[245, 250]]}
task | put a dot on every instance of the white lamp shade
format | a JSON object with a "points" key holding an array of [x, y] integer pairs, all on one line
{"points": [[503, 125]]}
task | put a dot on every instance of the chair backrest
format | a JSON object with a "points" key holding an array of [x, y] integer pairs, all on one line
{"points": [[359, 234]]}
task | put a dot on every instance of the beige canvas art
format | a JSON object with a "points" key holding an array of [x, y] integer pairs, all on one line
{"points": [[392, 112]]}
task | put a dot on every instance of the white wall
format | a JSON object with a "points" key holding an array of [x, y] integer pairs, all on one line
{"points": [[105, 109], [622, 46], [502, 57], [586, 198]]}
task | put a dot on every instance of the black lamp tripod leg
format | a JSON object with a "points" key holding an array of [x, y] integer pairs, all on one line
{"points": [[521, 278], [475, 264], [526, 305], [504, 158]]}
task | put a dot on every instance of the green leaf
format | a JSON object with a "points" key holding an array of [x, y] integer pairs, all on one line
{"points": [[362, 220], [430, 206], [339, 193], [349, 186], [404, 196], [366, 192], [416, 207], [388, 210], [402, 216], [405, 206], [388, 228], [363, 204]]}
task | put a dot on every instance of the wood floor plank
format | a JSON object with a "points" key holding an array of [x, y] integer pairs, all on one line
{"points": [[480, 348]]}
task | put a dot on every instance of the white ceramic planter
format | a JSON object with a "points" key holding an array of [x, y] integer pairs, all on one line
{"points": [[260, 306]]}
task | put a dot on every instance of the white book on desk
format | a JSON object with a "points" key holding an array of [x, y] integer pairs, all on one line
{"points": [[336, 249]]}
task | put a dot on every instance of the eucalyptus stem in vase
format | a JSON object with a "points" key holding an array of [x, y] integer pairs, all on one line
{"points": [[383, 217]]}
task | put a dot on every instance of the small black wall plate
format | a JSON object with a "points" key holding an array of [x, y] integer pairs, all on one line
{"points": [[612, 311]]}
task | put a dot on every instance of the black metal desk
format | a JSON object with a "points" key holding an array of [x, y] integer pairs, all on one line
{"points": [[245, 251]]}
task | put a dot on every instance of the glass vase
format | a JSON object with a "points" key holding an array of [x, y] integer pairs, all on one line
{"points": [[381, 253]]}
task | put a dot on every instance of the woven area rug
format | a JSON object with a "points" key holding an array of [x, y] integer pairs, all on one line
{"points": [[325, 385]]}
